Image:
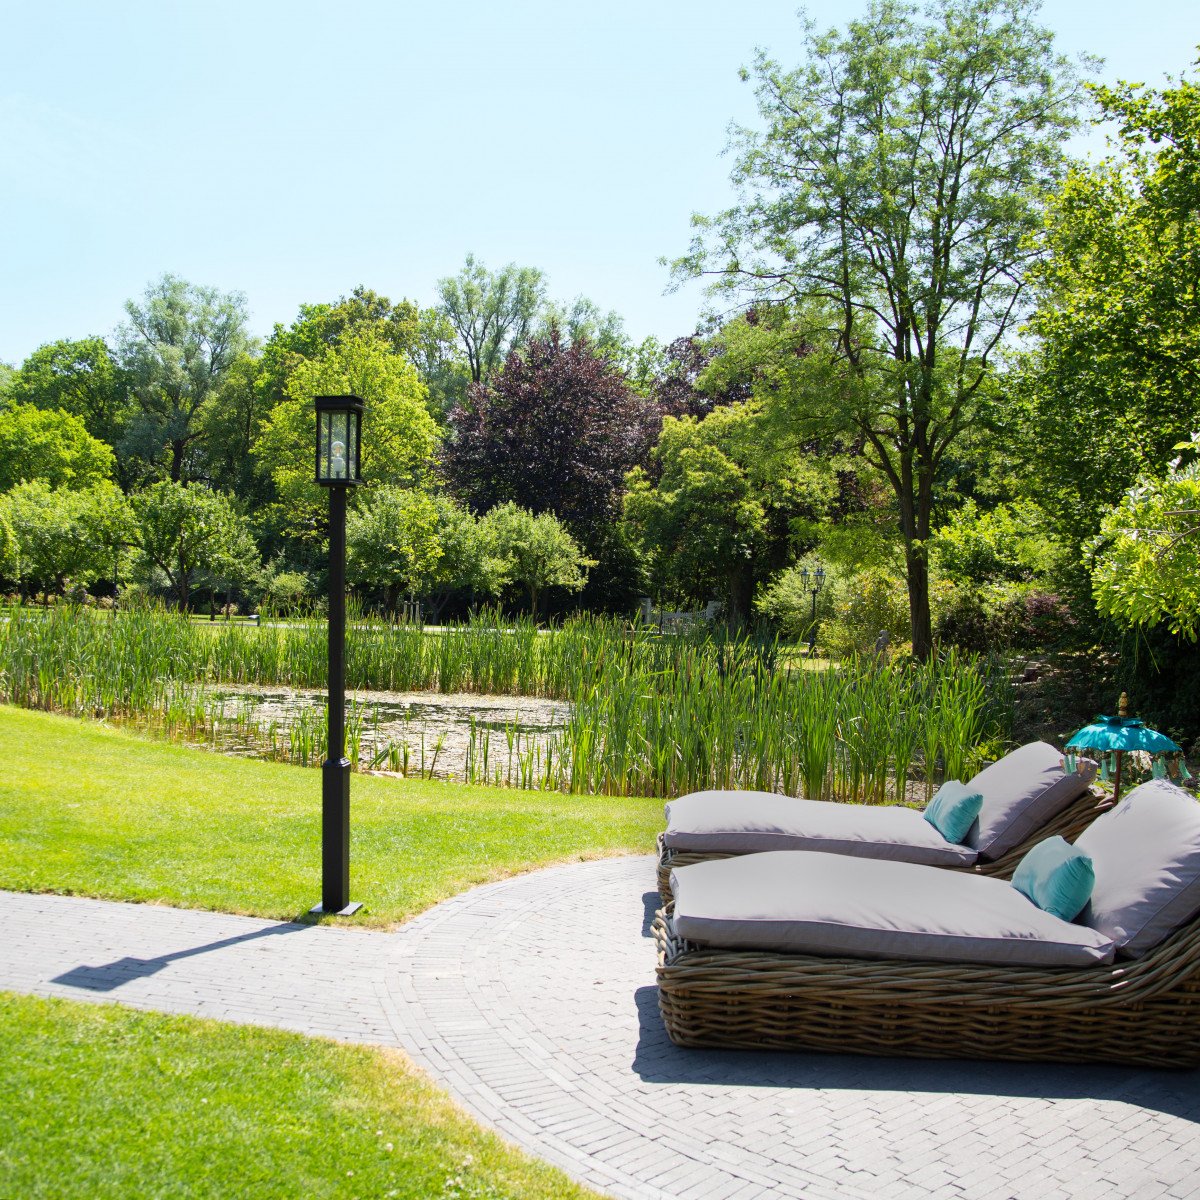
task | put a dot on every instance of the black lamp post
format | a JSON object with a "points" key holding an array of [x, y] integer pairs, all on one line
{"points": [[339, 434], [813, 581]]}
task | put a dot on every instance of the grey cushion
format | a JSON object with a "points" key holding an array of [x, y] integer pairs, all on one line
{"points": [[745, 822], [811, 903], [1146, 855], [1021, 792]]}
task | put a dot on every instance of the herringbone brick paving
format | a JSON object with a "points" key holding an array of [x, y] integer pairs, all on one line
{"points": [[532, 1001]]}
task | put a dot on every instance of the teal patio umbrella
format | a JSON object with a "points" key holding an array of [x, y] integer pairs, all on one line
{"points": [[1119, 735]]}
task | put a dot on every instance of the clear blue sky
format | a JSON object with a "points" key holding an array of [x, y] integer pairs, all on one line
{"points": [[293, 150]]}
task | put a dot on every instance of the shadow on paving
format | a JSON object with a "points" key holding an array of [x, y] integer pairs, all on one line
{"points": [[657, 1060], [110, 976]]}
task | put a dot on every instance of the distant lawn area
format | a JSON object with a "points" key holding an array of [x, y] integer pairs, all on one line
{"points": [[94, 811], [104, 1102]]}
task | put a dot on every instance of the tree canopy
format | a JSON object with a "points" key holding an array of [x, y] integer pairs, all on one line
{"points": [[399, 435], [1112, 382], [177, 346], [50, 445], [392, 542], [493, 312], [714, 515], [893, 190], [77, 377], [555, 431], [534, 552], [183, 531], [1146, 559]]}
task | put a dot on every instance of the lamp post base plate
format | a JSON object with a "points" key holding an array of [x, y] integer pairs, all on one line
{"points": [[318, 910]]}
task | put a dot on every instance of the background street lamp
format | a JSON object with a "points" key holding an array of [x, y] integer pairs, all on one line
{"points": [[813, 581], [339, 435]]}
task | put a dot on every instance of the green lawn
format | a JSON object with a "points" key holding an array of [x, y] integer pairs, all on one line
{"points": [[100, 812], [101, 1101]]}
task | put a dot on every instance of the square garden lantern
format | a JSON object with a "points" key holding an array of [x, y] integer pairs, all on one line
{"points": [[339, 439]]}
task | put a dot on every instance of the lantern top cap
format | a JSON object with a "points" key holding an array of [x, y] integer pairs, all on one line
{"points": [[339, 403]]}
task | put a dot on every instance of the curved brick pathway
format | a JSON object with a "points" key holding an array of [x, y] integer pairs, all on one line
{"points": [[532, 1001]]}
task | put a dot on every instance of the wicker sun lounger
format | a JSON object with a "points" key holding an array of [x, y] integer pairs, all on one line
{"points": [[803, 950], [1069, 823], [1142, 1011]]}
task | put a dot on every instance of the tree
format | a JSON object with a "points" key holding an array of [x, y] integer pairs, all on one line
{"points": [[10, 549], [893, 192], [52, 446], [1146, 560], [319, 328], [468, 564], [536, 552], [676, 387], [105, 523], [76, 377], [1112, 381], [399, 435], [583, 320], [184, 531], [233, 424], [715, 514], [441, 364], [555, 431], [50, 546], [177, 347], [492, 312], [391, 541]]}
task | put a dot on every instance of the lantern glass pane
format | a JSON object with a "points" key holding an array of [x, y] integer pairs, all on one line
{"points": [[338, 449], [323, 445], [355, 471]]}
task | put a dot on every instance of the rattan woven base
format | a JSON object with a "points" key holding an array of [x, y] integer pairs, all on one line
{"points": [[1142, 1012], [1069, 823]]}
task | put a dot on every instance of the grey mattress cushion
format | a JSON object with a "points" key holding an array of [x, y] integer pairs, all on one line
{"points": [[1021, 792], [1146, 855], [745, 822], [804, 902]]}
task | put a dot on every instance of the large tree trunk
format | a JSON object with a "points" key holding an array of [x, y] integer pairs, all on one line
{"points": [[920, 620], [741, 598], [182, 586], [916, 502], [177, 447]]}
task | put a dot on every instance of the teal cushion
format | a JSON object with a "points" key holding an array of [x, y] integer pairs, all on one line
{"points": [[1056, 877], [953, 810]]}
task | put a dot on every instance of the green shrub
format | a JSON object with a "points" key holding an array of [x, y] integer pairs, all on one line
{"points": [[862, 606], [992, 617]]}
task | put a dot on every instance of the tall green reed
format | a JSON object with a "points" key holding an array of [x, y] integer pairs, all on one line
{"points": [[649, 715]]}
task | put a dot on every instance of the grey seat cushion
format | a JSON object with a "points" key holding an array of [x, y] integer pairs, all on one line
{"points": [[1021, 793], [746, 822], [804, 902], [1146, 855]]}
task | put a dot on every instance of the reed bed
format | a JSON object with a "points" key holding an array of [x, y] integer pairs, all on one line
{"points": [[649, 715]]}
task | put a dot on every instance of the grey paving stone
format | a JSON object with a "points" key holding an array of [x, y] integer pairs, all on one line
{"points": [[532, 1001]]}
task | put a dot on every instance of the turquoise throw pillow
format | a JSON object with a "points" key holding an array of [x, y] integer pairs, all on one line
{"points": [[1056, 877], [953, 810]]}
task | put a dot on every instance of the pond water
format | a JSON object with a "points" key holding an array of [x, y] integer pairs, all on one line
{"points": [[411, 733]]}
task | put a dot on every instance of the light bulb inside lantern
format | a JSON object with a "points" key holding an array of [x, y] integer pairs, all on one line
{"points": [[337, 460]]}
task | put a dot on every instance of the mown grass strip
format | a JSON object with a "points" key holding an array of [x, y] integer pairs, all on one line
{"points": [[101, 1101], [100, 812]]}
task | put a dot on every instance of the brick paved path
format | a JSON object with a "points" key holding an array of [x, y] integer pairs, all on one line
{"points": [[532, 1001]]}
